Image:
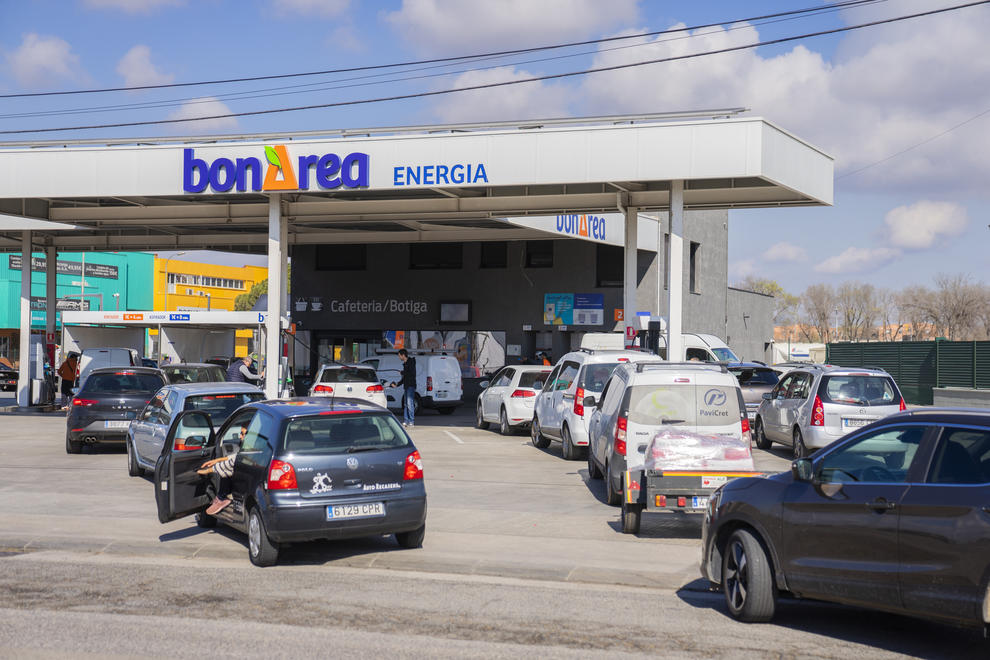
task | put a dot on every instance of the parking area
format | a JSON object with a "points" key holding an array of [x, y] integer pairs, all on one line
{"points": [[497, 506]]}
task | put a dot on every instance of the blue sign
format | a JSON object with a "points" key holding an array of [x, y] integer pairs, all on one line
{"points": [[435, 175], [558, 308], [589, 309], [178, 317]]}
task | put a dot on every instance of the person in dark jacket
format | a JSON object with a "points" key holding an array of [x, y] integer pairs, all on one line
{"points": [[239, 371], [408, 382]]}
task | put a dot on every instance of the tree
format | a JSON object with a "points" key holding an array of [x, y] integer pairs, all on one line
{"points": [[818, 304], [245, 301], [889, 314], [957, 304], [784, 304], [857, 309]]}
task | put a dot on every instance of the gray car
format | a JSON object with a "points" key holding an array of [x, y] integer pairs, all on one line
{"points": [[815, 405], [194, 372], [755, 380], [146, 434]]}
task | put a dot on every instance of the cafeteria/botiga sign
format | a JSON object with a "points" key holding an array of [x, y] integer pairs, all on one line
{"points": [[39, 264]]}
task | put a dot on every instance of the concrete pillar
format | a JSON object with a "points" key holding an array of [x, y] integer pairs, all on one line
{"points": [[675, 292], [24, 368], [275, 286], [51, 294], [629, 280]]}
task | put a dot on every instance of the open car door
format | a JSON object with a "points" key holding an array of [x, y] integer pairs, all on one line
{"points": [[179, 491]]}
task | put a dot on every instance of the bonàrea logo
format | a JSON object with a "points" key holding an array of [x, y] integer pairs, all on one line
{"points": [[328, 171]]}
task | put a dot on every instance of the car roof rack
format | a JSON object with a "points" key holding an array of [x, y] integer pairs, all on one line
{"points": [[706, 366]]}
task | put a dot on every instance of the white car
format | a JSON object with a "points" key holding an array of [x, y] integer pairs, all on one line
{"points": [[351, 381], [561, 412], [438, 380], [507, 397]]}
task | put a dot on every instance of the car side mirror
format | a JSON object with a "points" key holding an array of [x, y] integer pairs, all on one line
{"points": [[484, 384], [767, 395], [589, 401], [803, 470]]}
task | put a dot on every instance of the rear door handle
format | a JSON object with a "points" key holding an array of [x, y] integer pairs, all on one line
{"points": [[881, 504]]}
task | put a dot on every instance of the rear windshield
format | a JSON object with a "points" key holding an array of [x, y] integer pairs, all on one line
{"points": [[343, 434], [754, 376], [349, 375], [725, 355], [447, 368], [533, 379], [596, 375], [219, 406], [682, 405], [859, 390], [211, 374], [122, 382]]}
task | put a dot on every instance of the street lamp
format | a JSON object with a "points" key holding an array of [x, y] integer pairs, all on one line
{"points": [[177, 254]]}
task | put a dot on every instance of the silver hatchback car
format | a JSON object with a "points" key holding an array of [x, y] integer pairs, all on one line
{"points": [[815, 405]]}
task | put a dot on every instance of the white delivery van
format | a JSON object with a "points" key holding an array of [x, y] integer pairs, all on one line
{"points": [[95, 358], [699, 347], [438, 380]]}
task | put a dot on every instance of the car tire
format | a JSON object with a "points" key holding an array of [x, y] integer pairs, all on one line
{"points": [[800, 451], [594, 472], [205, 521], [72, 446], [261, 550], [762, 441], [416, 405], [503, 424], [413, 539], [539, 440], [612, 498], [133, 469], [747, 579], [632, 515], [479, 420], [567, 449]]}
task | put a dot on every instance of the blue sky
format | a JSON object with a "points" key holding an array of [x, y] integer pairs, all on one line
{"points": [[862, 96]]}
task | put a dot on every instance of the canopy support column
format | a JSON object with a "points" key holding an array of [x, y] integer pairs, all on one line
{"points": [[629, 281], [675, 292], [51, 297], [24, 350], [275, 285]]}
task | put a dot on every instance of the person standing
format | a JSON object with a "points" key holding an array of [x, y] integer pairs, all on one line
{"points": [[408, 382], [67, 372], [239, 371]]}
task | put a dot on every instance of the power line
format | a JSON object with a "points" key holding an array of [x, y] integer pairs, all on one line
{"points": [[507, 83], [844, 4]]}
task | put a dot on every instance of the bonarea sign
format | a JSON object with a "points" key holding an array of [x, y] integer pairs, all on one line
{"points": [[605, 228]]}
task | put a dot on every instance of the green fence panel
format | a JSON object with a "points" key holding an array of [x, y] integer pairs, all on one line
{"points": [[981, 356], [955, 363], [910, 363]]}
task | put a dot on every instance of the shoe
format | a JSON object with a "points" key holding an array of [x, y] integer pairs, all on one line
{"points": [[217, 505]]}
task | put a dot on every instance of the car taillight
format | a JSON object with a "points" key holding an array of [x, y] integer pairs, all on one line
{"points": [[903, 405], [84, 402], [414, 467], [181, 446], [522, 394], [620, 436], [281, 475], [327, 389], [579, 402], [375, 388], [747, 436], [818, 412], [429, 383]]}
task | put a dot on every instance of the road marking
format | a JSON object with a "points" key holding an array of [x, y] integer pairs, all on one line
{"points": [[458, 440]]}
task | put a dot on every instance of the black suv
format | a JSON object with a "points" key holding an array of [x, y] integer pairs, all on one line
{"points": [[895, 516], [109, 399], [305, 469]]}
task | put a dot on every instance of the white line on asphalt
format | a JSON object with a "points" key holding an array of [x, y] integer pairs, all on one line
{"points": [[459, 441]]}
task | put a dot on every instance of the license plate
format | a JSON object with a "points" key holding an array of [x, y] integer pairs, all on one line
{"points": [[713, 481], [855, 423], [366, 510], [442, 394], [699, 502], [116, 424]]}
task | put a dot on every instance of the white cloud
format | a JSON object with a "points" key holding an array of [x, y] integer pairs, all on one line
{"points": [[784, 251], [204, 107], [525, 101], [322, 8], [857, 260], [137, 69], [921, 225], [442, 26], [134, 6], [740, 270], [43, 60]]}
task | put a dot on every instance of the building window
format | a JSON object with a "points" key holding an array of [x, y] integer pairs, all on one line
{"points": [[609, 265], [494, 254], [428, 256], [342, 257], [693, 262], [539, 254]]}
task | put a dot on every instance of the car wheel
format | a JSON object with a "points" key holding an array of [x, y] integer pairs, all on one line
{"points": [[503, 423], [479, 420], [594, 472], [800, 451], [762, 441], [536, 436], [205, 521], [133, 469], [632, 514], [72, 446], [416, 405], [747, 579], [567, 449], [612, 498], [413, 539], [261, 550]]}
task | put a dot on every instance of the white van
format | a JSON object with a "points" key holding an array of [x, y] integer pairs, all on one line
{"points": [[95, 358], [438, 380], [700, 347]]}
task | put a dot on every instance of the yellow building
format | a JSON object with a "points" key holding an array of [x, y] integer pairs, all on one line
{"points": [[182, 286]]}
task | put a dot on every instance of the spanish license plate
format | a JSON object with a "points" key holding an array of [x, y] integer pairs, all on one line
{"points": [[850, 423], [116, 424], [699, 502], [366, 510], [442, 394]]}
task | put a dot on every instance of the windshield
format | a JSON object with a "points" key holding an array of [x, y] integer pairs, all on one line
{"points": [[343, 434], [754, 376], [122, 382], [349, 375], [210, 374], [596, 375], [725, 355], [682, 405], [859, 390], [533, 379], [220, 406]]}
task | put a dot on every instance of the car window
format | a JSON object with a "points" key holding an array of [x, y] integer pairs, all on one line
{"points": [[699, 354], [342, 434], [859, 390], [533, 379], [594, 376], [549, 384], [191, 432], [881, 456], [238, 428], [683, 405], [504, 378], [800, 387], [495, 376], [211, 374], [749, 376], [152, 411], [258, 434], [962, 457], [220, 406], [372, 363], [613, 395], [349, 375], [781, 389], [568, 373], [725, 355], [122, 382]]}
